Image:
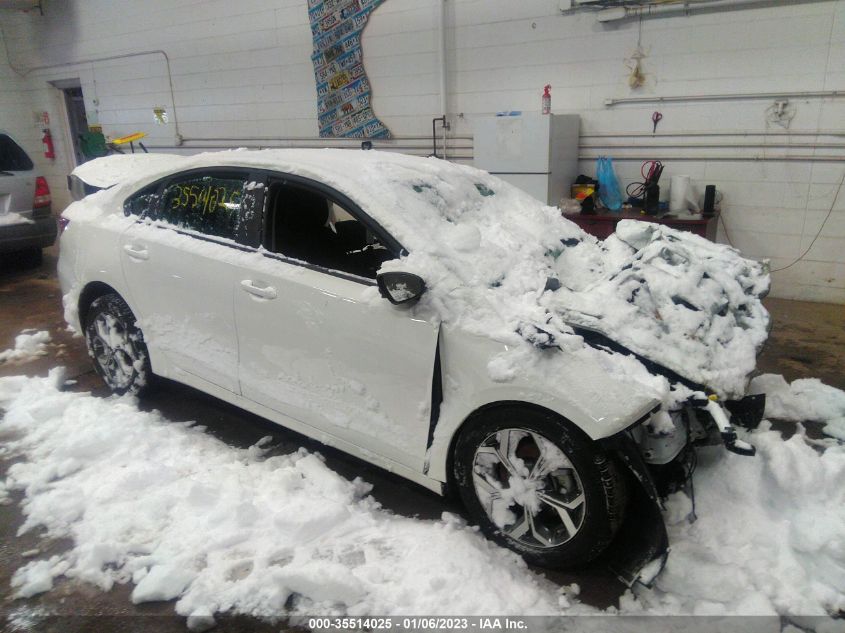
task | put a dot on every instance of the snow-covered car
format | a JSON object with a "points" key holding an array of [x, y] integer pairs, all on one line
{"points": [[431, 319], [27, 223]]}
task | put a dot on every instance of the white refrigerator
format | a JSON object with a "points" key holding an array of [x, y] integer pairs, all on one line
{"points": [[536, 152]]}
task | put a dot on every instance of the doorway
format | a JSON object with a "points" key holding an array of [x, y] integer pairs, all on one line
{"points": [[77, 120]]}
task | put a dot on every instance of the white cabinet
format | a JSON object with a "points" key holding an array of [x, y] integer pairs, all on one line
{"points": [[537, 153]]}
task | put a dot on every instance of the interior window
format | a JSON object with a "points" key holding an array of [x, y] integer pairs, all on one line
{"points": [[141, 203], [306, 225], [207, 203]]}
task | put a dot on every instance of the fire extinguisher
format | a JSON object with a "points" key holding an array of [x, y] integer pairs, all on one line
{"points": [[547, 99], [47, 139]]}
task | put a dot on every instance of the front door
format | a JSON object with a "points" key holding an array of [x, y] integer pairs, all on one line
{"points": [[319, 344]]}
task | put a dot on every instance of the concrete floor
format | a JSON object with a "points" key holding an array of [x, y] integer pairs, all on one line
{"points": [[807, 339]]}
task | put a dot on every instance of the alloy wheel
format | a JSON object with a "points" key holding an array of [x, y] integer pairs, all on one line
{"points": [[528, 487], [113, 350]]}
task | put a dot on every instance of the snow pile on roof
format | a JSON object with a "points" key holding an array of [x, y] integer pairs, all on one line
{"points": [[184, 516], [29, 344], [805, 399], [108, 171]]}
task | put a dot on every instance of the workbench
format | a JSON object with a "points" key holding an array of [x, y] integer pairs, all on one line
{"points": [[603, 224]]}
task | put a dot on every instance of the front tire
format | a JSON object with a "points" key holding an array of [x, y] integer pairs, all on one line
{"points": [[536, 486], [116, 345]]}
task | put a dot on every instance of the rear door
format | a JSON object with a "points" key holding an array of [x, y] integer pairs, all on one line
{"points": [[317, 342], [17, 183], [177, 260]]}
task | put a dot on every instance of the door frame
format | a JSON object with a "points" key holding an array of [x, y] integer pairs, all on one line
{"points": [[60, 85]]}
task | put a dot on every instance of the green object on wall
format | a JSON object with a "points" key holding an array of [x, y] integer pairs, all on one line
{"points": [[93, 144]]}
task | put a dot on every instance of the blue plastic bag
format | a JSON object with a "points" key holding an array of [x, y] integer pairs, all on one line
{"points": [[609, 192]]}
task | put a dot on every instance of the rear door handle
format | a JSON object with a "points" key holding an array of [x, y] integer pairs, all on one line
{"points": [[136, 252], [265, 292]]}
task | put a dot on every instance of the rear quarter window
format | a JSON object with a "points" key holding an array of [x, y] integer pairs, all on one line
{"points": [[142, 203], [12, 157], [209, 204]]}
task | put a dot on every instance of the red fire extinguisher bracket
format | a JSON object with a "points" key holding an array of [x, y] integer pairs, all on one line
{"points": [[47, 140]]}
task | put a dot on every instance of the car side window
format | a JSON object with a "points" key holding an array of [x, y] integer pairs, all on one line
{"points": [[309, 226], [143, 202], [12, 157], [207, 203]]}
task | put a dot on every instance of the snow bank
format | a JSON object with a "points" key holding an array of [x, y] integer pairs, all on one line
{"points": [[806, 399], [184, 516], [499, 263], [769, 539], [29, 344]]}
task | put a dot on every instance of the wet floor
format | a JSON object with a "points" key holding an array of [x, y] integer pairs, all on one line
{"points": [[808, 339]]}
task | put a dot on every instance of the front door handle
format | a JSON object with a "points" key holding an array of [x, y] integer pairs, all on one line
{"points": [[265, 292], [136, 252]]}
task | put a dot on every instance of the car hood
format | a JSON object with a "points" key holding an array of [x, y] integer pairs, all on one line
{"points": [[673, 298]]}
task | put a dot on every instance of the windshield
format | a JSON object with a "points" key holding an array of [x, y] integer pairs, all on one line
{"points": [[12, 157]]}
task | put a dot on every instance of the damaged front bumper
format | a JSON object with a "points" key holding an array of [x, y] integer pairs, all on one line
{"points": [[660, 463]]}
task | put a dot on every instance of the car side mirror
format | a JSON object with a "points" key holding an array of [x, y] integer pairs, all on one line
{"points": [[399, 287]]}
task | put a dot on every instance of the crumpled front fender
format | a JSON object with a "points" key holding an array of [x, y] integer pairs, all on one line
{"points": [[641, 547]]}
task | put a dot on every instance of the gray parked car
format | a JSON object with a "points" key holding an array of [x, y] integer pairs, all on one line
{"points": [[27, 223]]}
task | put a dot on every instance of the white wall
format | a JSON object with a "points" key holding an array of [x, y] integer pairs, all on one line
{"points": [[20, 100], [243, 70]]}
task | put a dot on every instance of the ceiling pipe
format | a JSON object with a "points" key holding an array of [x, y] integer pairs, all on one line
{"points": [[686, 7], [768, 133], [738, 159], [731, 96]]}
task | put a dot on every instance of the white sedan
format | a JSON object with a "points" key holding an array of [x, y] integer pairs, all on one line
{"points": [[431, 319]]}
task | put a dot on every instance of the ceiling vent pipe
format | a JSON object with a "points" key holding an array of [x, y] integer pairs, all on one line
{"points": [[617, 10]]}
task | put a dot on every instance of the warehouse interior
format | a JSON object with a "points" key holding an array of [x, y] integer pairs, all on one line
{"points": [[720, 118], [748, 93]]}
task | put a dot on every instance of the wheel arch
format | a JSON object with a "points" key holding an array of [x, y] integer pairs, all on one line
{"points": [[93, 290], [483, 409]]}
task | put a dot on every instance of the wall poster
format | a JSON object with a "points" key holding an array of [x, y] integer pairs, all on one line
{"points": [[343, 90]]}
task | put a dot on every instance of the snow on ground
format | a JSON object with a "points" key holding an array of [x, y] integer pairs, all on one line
{"points": [[14, 218], [806, 399], [184, 516], [29, 344], [24, 618]]}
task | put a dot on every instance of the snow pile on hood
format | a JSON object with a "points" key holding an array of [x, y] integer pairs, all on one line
{"points": [[184, 516], [806, 399], [678, 299], [29, 344], [499, 263]]}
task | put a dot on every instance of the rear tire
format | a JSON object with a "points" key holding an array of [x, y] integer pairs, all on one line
{"points": [[539, 487], [116, 345]]}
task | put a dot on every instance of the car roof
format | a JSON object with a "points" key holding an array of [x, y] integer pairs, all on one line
{"points": [[414, 198]]}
